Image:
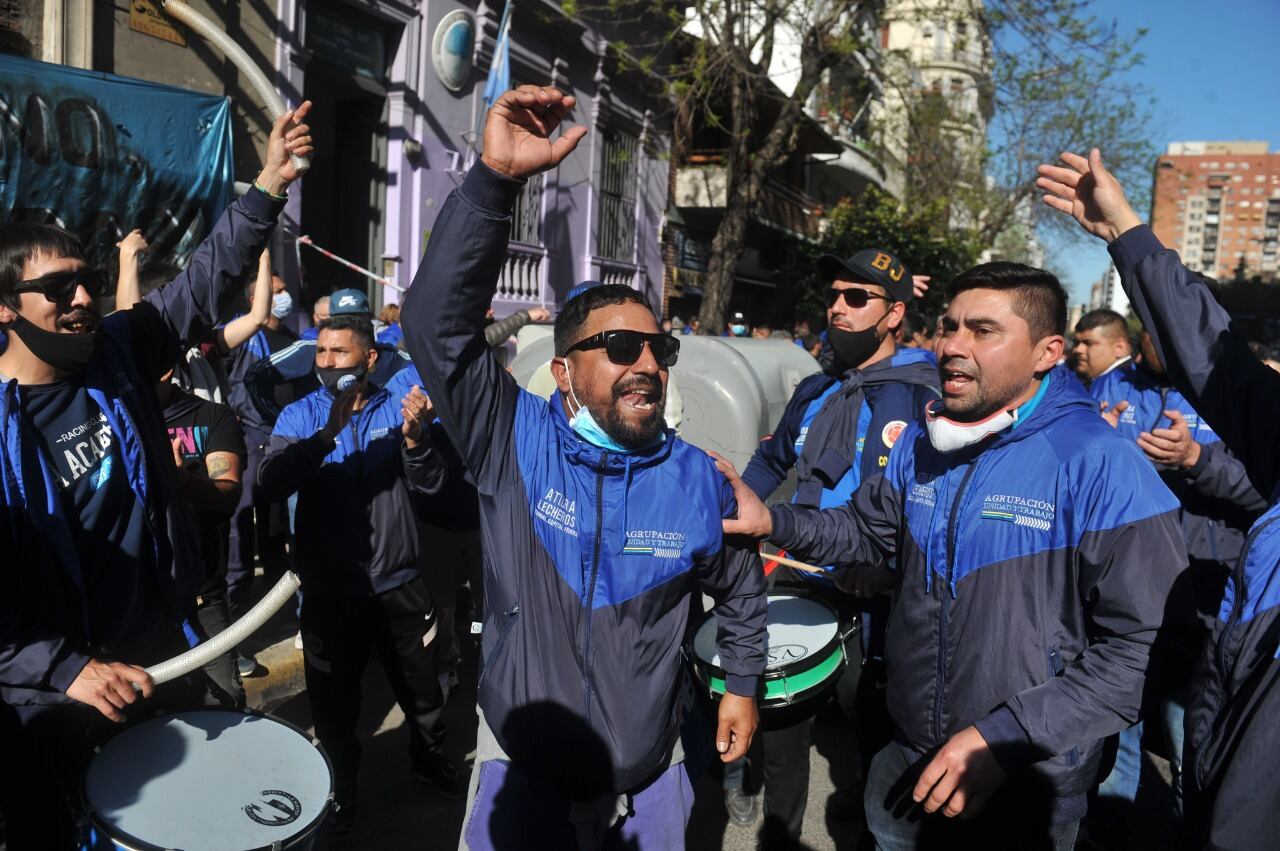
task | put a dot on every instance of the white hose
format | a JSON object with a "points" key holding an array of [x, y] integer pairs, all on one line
{"points": [[202, 654], [239, 58]]}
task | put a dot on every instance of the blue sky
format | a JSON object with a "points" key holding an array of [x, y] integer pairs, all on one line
{"points": [[1214, 70]]}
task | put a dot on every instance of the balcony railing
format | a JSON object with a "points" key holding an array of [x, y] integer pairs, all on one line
{"points": [[521, 278], [615, 272], [782, 205]]}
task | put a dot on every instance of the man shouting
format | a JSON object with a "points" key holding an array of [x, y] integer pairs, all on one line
{"points": [[599, 524]]}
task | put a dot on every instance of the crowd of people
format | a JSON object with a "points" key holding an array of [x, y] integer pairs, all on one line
{"points": [[1045, 557]]}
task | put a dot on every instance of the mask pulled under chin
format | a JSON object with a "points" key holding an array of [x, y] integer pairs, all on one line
{"points": [[949, 435], [330, 377], [852, 348], [586, 427], [63, 352]]}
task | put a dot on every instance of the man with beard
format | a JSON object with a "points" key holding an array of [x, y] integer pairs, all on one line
{"points": [[599, 526], [838, 430], [353, 456], [1232, 750], [100, 563], [1033, 550]]}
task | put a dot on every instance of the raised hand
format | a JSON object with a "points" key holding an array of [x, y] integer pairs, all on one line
{"points": [[289, 137], [920, 285], [416, 410], [344, 406], [518, 131], [131, 246], [1090, 194]]}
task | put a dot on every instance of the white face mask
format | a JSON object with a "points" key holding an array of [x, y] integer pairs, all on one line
{"points": [[281, 305], [948, 435]]}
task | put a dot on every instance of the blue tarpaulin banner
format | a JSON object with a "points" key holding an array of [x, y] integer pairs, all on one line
{"points": [[100, 155]]}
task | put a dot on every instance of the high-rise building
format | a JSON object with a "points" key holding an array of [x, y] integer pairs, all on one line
{"points": [[1218, 204], [1108, 292]]}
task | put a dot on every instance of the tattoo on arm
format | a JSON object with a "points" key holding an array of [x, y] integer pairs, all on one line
{"points": [[217, 465]]}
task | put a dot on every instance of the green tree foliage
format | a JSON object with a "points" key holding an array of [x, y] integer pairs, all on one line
{"points": [[921, 238]]}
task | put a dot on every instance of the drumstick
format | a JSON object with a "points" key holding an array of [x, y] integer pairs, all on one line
{"points": [[798, 565]]}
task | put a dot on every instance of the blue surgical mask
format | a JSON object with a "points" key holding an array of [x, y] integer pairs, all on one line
{"points": [[738, 330], [281, 305], [586, 427]]}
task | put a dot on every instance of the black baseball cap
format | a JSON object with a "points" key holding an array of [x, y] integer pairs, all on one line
{"points": [[870, 266]]}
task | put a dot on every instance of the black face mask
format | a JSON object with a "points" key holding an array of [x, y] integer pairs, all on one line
{"points": [[854, 347], [63, 352], [330, 377]]}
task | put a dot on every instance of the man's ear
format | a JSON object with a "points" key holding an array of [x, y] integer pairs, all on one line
{"points": [[560, 372], [896, 314], [373, 359], [1050, 352]]}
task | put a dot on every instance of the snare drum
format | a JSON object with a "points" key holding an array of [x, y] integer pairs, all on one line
{"points": [[207, 780], [806, 654]]}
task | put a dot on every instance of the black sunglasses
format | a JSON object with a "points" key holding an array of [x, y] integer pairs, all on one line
{"points": [[60, 287], [624, 347], [853, 297]]}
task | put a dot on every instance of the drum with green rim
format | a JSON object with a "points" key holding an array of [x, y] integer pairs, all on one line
{"points": [[806, 653]]}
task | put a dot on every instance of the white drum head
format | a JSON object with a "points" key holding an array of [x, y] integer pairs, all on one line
{"points": [[209, 780], [798, 628]]}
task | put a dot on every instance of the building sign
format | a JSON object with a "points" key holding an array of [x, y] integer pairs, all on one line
{"points": [[100, 155], [145, 17], [451, 48]]}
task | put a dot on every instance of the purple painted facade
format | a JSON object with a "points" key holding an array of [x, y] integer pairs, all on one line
{"points": [[431, 139]]}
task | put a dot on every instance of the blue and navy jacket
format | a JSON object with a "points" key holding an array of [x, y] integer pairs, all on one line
{"points": [[44, 640], [592, 558], [1214, 521], [355, 532], [1033, 571], [1232, 759], [902, 391], [897, 391], [296, 365]]}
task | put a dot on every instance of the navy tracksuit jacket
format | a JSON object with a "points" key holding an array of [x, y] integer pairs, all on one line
{"points": [[1232, 760], [1219, 504], [356, 533], [592, 559], [44, 640], [1033, 574], [896, 392]]}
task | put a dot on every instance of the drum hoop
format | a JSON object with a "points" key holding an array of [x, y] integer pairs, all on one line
{"points": [[132, 843], [708, 675]]}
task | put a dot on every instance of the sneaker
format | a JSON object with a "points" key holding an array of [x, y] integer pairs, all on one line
{"points": [[741, 806], [341, 820], [442, 775], [247, 665]]}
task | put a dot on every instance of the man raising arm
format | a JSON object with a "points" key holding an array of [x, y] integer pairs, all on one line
{"points": [[598, 522], [1232, 756]]}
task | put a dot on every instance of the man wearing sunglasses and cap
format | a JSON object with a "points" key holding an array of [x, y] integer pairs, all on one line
{"points": [[600, 526], [837, 431], [100, 561]]}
